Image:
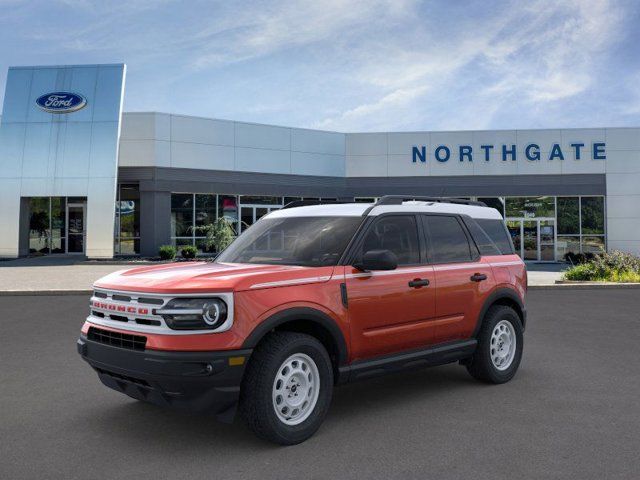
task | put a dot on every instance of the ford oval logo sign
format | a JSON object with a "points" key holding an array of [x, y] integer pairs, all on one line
{"points": [[61, 102]]}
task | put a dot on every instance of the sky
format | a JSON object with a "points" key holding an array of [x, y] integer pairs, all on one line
{"points": [[351, 65]]}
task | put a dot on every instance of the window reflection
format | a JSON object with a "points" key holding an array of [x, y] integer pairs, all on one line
{"points": [[568, 215], [592, 209]]}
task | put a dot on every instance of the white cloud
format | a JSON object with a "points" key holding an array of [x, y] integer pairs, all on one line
{"points": [[285, 25], [541, 54], [337, 64]]}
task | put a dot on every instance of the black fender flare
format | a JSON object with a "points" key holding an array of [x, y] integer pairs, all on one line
{"points": [[496, 296], [296, 314]]}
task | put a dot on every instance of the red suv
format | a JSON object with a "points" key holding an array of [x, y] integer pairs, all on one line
{"points": [[308, 298]]}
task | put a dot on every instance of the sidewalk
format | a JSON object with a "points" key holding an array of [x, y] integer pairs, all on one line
{"points": [[51, 274], [541, 274], [75, 275]]}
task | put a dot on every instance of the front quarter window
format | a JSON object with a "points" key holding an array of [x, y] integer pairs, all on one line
{"points": [[303, 241]]}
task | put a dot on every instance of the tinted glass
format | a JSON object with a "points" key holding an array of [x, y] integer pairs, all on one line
{"points": [[592, 215], [128, 209], [447, 240], [568, 216], [495, 230], [205, 210], [592, 244], [398, 234], [228, 208], [530, 207], [304, 241], [567, 245], [181, 214], [485, 245]]}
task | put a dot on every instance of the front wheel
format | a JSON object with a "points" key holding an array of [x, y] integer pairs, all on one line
{"points": [[500, 342], [287, 388]]}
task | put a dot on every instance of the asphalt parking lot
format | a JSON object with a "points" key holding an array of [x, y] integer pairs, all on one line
{"points": [[573, 410]]}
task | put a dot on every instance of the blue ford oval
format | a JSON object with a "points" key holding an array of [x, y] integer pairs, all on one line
{"points": [[61, 102]]}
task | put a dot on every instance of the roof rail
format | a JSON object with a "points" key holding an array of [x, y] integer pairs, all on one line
{"points": [[400, 199], [306, 203]]}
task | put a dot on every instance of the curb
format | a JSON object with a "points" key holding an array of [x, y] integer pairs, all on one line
{"points": [[23, 293], [586, 286]]}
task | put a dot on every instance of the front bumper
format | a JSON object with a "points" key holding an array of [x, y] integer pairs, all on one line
{"points": [[193, 381]]}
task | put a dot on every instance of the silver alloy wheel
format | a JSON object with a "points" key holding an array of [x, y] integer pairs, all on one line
{"points": [[296, 389], [503, 345]]}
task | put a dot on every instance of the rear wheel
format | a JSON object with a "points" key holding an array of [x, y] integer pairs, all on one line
{"points": [[287, 388], [500, 342]]}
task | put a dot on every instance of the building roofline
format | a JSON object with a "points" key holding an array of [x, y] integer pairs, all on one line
{"points": [[378, 132], [229, 120]]}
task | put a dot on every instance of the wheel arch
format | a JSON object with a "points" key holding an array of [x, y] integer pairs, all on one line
{"points": [[305, 320], [502, 296]]}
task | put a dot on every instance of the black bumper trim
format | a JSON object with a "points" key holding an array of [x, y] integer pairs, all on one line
{"points": [[192, 381]]}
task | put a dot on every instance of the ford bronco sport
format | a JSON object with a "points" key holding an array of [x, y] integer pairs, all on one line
{"points": [[308, 298]]}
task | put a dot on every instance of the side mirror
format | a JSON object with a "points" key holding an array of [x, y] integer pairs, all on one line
{"points": [[378, 260]]}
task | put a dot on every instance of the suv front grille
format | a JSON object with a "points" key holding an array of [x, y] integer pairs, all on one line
{"points": [[117, 339]]}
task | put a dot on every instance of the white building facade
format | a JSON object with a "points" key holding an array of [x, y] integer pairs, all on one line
{"points": [[124, 184]]}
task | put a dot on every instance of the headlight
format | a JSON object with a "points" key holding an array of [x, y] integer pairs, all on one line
{"points": [[194, 313]]}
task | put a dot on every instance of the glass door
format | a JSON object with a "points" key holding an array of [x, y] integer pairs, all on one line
{"points": [[75, 227], [547, 240], [515, 230], [533, 239], [530, 239]]}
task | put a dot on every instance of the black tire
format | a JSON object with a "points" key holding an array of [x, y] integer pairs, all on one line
{"points": [[256, 403], [480, 365]]}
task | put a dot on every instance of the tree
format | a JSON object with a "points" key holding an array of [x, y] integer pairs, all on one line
{"points": [[219, 234]]}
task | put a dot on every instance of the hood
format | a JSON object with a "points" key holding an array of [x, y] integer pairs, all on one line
{"points": [[203, 277]]}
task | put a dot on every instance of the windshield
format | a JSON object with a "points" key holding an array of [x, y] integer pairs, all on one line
{"points": [[304, 241]]}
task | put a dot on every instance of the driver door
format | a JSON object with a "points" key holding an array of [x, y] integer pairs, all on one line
{"points": [[386, 313]]}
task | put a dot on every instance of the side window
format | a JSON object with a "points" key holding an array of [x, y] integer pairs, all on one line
{"points": [[484, 243], [497, 232], [448, 240], [397, 233]]}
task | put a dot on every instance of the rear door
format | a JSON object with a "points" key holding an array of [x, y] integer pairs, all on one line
{"points": [[391, 311], [462, 278]]}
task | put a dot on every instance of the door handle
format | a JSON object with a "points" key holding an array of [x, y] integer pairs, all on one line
{"points": [[418, 282], [478, 277]]}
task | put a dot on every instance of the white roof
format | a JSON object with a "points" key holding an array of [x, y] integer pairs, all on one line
{"points": [[357, 209]]}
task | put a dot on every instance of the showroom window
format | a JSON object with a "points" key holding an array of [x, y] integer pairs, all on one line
{"points": [[592, 224], [192, 210], [127, 228], [530, 207], [580, 225], [47, 225], [57, 225], [189, 211]]}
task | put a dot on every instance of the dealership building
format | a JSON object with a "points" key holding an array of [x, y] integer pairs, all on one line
{"points": [[79, 176]]}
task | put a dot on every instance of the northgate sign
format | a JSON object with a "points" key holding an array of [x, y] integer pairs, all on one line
{"points": [[532, 152]]}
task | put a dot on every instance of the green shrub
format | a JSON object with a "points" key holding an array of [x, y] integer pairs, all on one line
{"points": [[188, 251], [616, 260], [625, 277], [167, 252], [613, 266], [583, 272]]}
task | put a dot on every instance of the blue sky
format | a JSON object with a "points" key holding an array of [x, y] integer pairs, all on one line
{"points": [[351, 65]]}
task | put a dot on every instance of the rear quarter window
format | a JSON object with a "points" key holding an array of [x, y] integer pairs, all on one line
{"points": [[496, 231]]}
